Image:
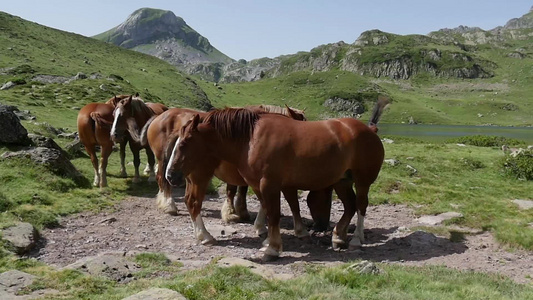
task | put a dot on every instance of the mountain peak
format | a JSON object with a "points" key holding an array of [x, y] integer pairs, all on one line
{"points": [[163, 34]]}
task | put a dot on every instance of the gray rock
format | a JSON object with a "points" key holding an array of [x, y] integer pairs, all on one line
{"points": [[7, 85], [156, 294], [66, 135], [24, 115], [79, 76], [438, 219], [387, 141], [75, 149], [365, 267], [53, 159], [111, 266], [42, 141], [523, 204], [393, 162], [21, 238], [14, 280], [11, 131], [255, 268], [411, 169]]}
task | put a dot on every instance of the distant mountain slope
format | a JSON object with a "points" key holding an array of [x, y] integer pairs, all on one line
{"points": [[162, 34], [29, 50]]}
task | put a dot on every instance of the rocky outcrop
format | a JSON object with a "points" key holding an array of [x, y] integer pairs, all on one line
{"points": [[11, 131], [20, 238]]}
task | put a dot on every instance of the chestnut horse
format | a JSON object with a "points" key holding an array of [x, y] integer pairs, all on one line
{"points": [[94, 124], [157, 132], [129, 116], [274, 153]]}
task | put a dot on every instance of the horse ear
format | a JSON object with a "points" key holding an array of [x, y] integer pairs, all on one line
{"points": [[136, 94], [195, 121], [292, 113]]}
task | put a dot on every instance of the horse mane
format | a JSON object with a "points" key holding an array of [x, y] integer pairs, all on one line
{"points": [[233, 123], [138, 106], [115, 99]]}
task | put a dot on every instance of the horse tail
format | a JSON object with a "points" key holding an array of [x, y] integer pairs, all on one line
{"points": [[382, 102], [144, 132], [97, 118]]}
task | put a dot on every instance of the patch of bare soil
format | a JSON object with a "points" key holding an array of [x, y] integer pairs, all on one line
{"points": [[136, 225]]}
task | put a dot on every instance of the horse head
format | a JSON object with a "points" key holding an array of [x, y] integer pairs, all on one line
{"points": [[185, 151], [121, 114], [296, 114]]}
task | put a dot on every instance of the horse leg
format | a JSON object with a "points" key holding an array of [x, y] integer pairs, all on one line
{"points": [[164, 197], [260, 220], [193, 198], [105, 153], [271, 199], [135, 150], [240, 204], [150, 165], [228, 210], [291, 195], [345, 192], [94, 160], [362, 203], [122, 148], [319, 203]]}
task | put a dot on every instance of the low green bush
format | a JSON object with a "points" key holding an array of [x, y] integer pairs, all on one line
{"points": [[485, 141], [519, 166]]}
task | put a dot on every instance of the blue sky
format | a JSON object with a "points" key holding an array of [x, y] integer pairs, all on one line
{"points": [[254, 29]]}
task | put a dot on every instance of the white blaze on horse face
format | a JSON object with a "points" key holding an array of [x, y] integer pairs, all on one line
{"points": [[118, 112], [167, 172]]}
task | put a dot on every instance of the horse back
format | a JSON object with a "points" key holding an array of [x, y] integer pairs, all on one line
{"points": [[157, 108]]}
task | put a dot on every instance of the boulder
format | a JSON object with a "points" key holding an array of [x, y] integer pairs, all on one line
{"points": [[157, 294], [53, 159], [11, 131], [111, 266], [75, 149], [14, 280], [21, 238]]}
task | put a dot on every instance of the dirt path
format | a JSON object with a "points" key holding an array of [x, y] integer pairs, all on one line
{"points": [[135, 225]]}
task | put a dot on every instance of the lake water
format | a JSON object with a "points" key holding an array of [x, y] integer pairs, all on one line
{"points": [[445, 132]]}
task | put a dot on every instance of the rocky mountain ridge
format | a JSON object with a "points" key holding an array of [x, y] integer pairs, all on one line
{"points": [[443, 53]]}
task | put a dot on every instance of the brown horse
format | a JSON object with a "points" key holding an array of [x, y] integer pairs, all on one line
{"points": [[129, 116], [157, 132], [197, 183], [274, 153], [94, 124]]}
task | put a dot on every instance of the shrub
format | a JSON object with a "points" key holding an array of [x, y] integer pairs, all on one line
{"points": [[485, 141], [519, 166]]}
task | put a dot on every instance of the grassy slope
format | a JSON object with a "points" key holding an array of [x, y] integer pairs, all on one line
{"points": [[54, 52]]}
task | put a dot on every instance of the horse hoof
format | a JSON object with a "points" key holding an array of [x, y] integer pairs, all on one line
{"points": [[232, 218], [123, 175], [209, 242], [337, 245], [245, 217], [172, 212], [269, 258], [263, 235], [355, 244]]}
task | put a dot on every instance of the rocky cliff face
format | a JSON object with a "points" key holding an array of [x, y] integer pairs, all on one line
{"points": [[162, 34]]}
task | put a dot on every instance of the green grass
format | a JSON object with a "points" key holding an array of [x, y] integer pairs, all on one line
{"points": [[211, 282]]}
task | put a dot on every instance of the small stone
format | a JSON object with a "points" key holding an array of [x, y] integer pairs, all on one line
{"points": [[523, 204], [157, 294], [393, 162]]}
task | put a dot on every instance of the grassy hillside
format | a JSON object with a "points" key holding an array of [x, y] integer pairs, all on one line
{"points": [[28, 49]]}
